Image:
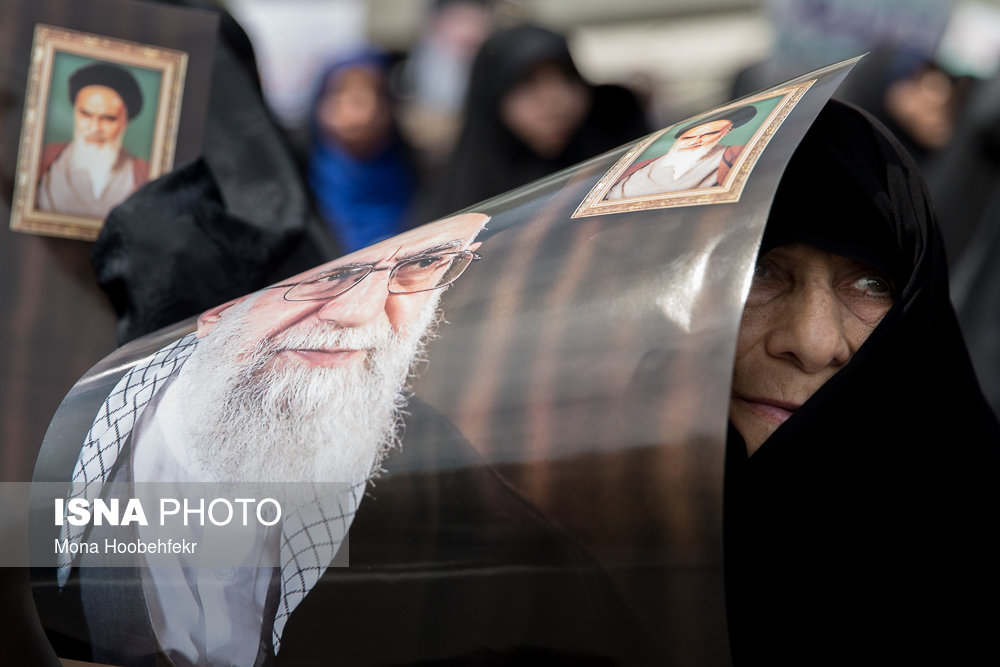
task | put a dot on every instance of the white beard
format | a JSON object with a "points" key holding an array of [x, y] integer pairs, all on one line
{"points": [[683, 161], [97, 160], [249, 421]]}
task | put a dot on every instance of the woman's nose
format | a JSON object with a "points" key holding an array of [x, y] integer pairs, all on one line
{"points": [[810, 330]]}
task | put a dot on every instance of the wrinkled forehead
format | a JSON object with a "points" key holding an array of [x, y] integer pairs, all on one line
{"points": [[448, 235], [105, 94]]}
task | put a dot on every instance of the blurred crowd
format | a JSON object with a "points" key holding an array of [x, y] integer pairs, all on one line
{"points": [[395, 139], [482, 103]]}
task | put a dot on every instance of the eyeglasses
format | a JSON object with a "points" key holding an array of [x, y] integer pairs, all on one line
{"points": [[421, 273]]}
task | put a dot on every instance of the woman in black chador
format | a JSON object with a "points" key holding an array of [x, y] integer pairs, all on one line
{"points": [[528, 113], [861, 481]]}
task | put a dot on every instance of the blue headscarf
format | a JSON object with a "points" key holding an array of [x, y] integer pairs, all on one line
{"points": [[362, 200]]}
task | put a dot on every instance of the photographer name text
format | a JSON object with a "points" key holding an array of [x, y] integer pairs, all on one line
{"points": [[114, 546]]}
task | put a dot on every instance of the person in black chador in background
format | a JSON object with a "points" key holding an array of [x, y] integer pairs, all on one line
{"points": [[528, 113]]}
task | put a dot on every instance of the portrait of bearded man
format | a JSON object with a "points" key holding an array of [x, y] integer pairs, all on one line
{"points": [[93, 173], [305, 384], [697, 159], [304, 381]]}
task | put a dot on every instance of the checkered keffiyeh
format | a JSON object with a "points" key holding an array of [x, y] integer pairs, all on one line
{"points": [[310, 536], [111, 429]]}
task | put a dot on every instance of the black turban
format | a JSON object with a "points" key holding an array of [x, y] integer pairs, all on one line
{"points": [[114, 77]]}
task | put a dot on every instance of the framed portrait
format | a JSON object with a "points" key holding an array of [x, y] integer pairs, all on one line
{"points": [[706, 159], [100, 120]]}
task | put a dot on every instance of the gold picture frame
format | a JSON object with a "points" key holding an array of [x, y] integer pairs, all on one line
{"points": [[149, 136], [769, 110]]}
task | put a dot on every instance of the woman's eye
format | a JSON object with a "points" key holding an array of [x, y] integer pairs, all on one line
{"points": [[765, 270], [874, 286], [768, 282]]}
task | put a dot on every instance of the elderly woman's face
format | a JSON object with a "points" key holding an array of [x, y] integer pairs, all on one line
{"points": [[808, 312]]}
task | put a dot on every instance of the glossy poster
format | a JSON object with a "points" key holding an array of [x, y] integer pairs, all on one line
{"points": [[499, 436]]}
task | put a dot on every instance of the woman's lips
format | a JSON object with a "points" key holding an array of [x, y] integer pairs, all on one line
{"points": [[771, 410]]}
